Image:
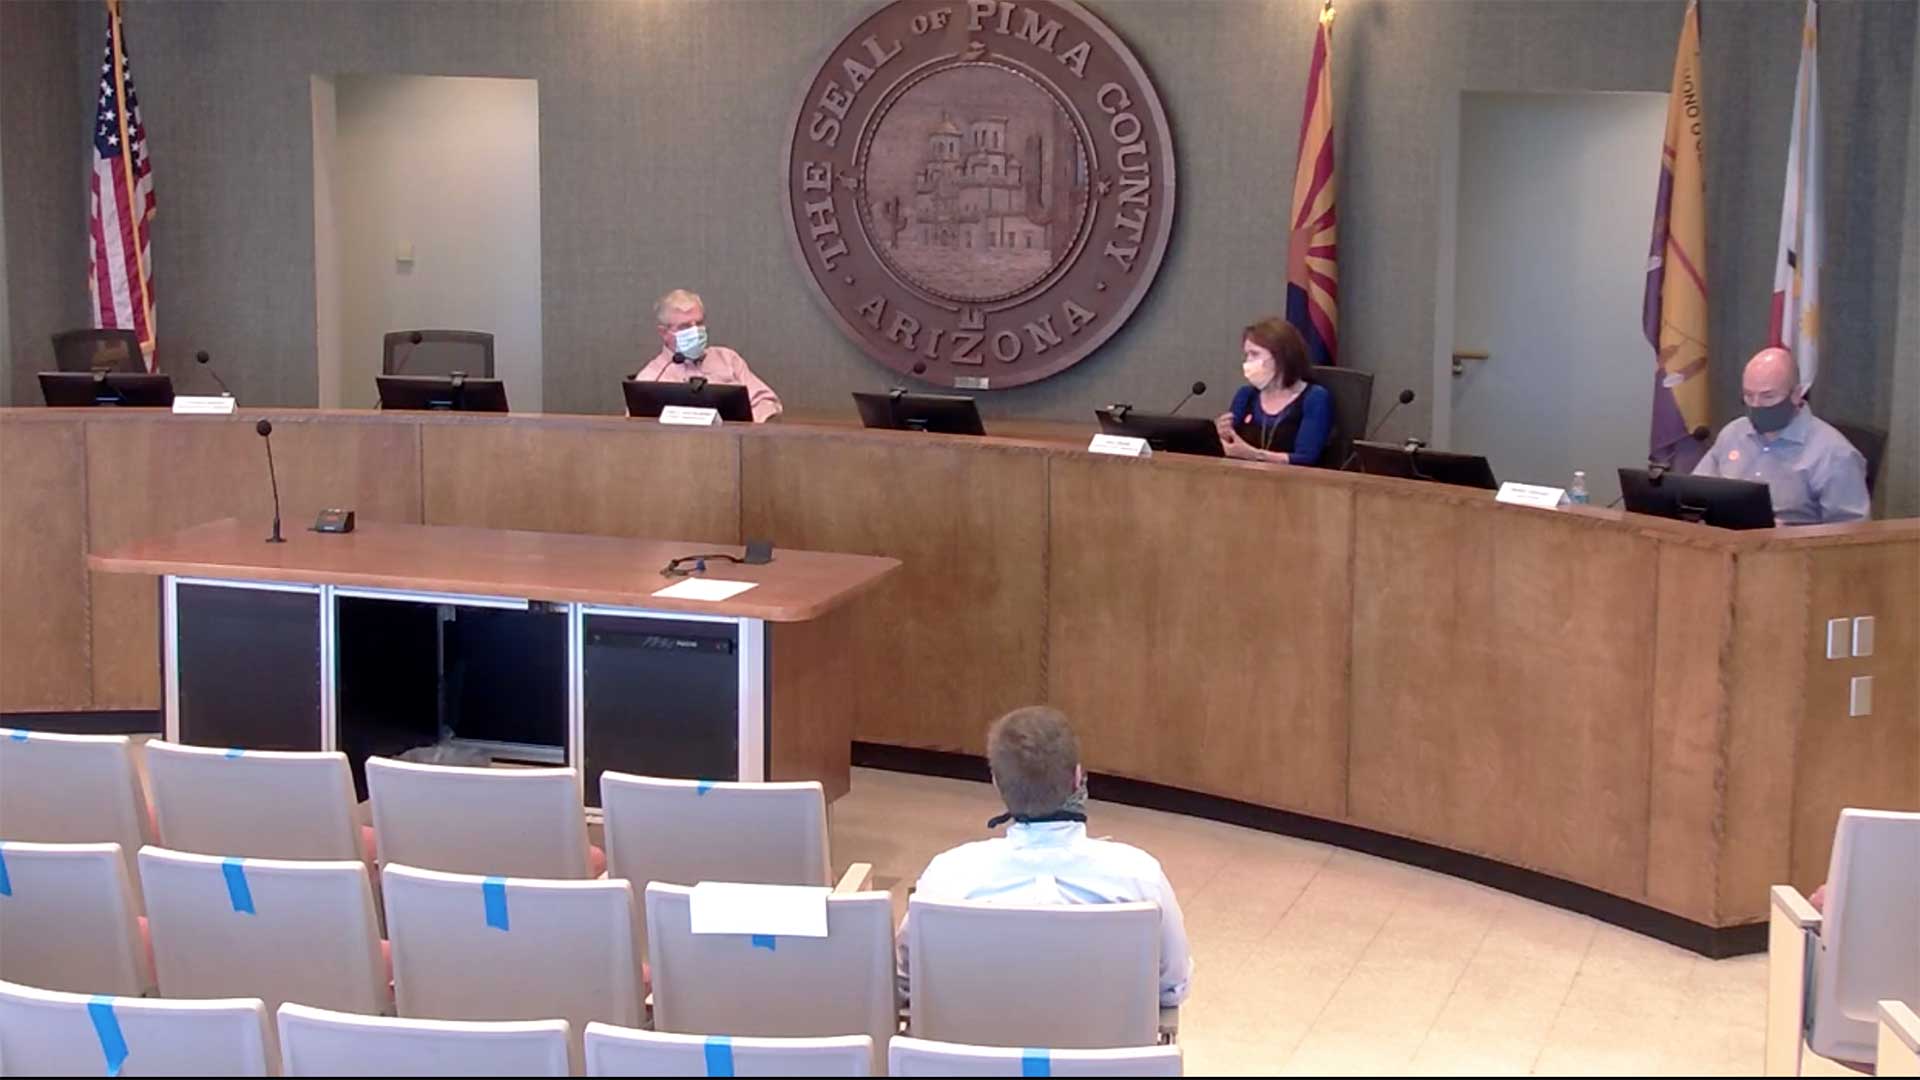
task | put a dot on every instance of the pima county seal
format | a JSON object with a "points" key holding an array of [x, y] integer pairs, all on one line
{"points": [[981, 190]]}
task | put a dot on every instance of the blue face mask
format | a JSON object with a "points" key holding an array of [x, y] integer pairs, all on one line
{"points": [[690, 342], [1768, 419]]}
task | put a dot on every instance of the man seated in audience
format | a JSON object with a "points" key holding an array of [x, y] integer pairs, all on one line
{"points": [[680, 318], [1046, 856]]}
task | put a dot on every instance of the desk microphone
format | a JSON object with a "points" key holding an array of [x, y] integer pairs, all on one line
{"points": [[413, 342], [1197, 388], [1406, 398], [899, 389], [265, 429], [697, 383], [205, 361]]}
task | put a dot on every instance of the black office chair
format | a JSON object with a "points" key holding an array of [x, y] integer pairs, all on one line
{"points": [[1352, 406], [438, 352], [1872, 445], [98, 350]]}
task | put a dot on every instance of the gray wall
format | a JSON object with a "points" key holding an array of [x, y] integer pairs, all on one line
{"points": [[663, 123], [1900, 489]]}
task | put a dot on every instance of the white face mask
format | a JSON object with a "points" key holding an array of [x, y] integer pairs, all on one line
{"points": [[690, 342], [1257, 373]]}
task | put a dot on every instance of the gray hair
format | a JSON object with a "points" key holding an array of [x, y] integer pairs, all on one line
{"points": [[1034, 757], [677, 300]]}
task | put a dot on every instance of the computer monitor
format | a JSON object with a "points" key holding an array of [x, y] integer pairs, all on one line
{"points": [[1169, 434], [1709, 500], [1415, 462], [141, 390], [942, 414], [652, 398], [441, 392]]}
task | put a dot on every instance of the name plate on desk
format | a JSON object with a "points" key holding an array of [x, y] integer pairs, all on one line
{"points": [[1545, 498], [198, 405], [1120, 446], [690, 416]]}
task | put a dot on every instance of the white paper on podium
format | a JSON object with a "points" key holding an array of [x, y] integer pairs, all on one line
{"points": [[709, 589], [717, 907], [202, 405]]}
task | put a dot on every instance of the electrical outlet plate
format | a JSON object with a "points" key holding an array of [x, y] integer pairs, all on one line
{"points": [[1863, 635], [1860, 696], [1837, 645]]}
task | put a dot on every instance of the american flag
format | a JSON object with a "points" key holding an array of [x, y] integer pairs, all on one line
{"points": [[120, 261], [1313, 267]]}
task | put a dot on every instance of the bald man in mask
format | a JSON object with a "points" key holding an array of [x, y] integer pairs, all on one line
{"points": [[1815, 475]]}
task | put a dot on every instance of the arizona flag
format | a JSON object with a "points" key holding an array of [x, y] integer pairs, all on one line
{"points": [[1313, 269], [1796, 271], [1674, 311], [120, 255]]}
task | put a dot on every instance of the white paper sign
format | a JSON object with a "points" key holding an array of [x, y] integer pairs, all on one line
{"points": [[1120, 446], [194, 405], [690, 415], [700, 588], [771, 911], [1546, 498]]}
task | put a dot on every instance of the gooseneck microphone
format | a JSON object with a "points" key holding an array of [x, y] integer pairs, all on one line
{"points": [[265, 430], [1198, 387], [206, 362], [1405, 398]]}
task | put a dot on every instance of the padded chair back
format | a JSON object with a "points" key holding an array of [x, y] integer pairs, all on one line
{"points": [[1352, 393], [491, 822], [1870, 946], [683, 832], [67, 920], [924, 1057], [438, 352], [253, 803], [1872, 444], [50, 1033], [316, 1042], [613, 1051], [73, 789], [98, 350]]}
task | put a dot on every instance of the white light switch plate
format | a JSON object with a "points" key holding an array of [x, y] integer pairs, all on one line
{"points": [[1860, 696], [1837, 630], [1863, 635]]}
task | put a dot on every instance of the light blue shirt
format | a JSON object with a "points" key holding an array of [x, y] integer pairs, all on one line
{"points": [[1815, 475], [1055, 863]]}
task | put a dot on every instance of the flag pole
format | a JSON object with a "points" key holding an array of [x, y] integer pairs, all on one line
{"points": [[136, 213]]}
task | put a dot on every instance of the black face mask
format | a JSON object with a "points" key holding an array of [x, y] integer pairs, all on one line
{"points": [[1768, 419]]}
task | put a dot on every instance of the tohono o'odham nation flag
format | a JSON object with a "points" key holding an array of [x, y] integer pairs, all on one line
{"points": [[1674, 311], [1313, 267], [120, 253]]}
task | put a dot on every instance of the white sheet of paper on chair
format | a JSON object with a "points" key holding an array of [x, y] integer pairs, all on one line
{"points": [[718, 907]]}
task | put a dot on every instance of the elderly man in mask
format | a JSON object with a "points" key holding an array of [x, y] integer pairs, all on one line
{"points": [[1816, 476], [680, 318]]}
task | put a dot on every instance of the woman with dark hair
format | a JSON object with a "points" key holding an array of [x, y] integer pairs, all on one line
{"points": [[1279, 416]]}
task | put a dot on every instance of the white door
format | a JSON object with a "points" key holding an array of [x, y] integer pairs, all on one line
{"points": [[1555, 208]]}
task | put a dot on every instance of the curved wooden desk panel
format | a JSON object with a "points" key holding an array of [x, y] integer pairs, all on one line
{"points": [[1634, 705]]}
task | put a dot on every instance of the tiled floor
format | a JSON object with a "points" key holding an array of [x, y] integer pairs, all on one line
{"points": [[1313, 960]]}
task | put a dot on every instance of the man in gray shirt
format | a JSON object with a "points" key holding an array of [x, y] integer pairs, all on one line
{"points": [[1815, 475]]}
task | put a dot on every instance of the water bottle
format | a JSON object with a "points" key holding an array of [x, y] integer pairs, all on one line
{"points": [[1577, 494]]}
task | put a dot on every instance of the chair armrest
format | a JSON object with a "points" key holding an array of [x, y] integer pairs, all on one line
{"points": [[1788, 902], [858, 878], [1899, 1053], [1169, 1023]]}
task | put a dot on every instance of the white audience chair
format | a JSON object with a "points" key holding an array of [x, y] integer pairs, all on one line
{"points": [[683, 832], [924, 1057], [316, 1042], [1075, 977], [775, 987], [50, 1033], [615, 1051], [67, 920], [273, 929], [498, 822], [258, 804], [73, 789], [1899, 1040], [1826, 975], [472, 948]]}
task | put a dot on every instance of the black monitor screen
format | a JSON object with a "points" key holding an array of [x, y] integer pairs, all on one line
{"points": [[1419, 463], [1169, 434], [441, 392], [1710, 500], [66, 388], [646, 399], [942, 414]]}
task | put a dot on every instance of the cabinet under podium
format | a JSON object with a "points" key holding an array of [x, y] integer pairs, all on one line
{"points": [[530, 647]]}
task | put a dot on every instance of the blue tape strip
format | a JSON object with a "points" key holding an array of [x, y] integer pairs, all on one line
{"points": [[494, 891], [6, 883], [237, 891], [234, 752], [1035, 1062], [763, 941], [701, 787], [17, 735], [107, 1026], [719, 1055]]}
